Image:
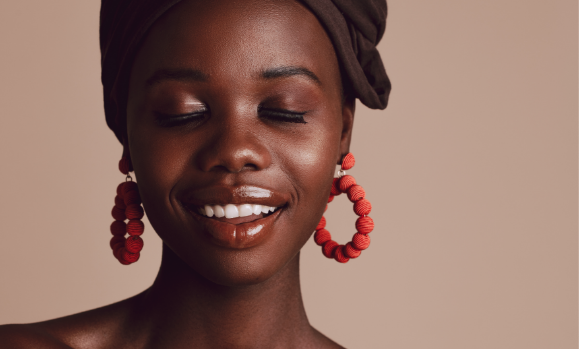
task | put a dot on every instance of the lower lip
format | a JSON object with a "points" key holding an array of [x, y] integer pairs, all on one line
{"points": [[238, 236]]}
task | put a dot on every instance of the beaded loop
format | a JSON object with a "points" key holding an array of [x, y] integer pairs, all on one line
{"points": [[348, 161], [346, 182], [339, 255], [321, 224], [328, 248], [350, 251], [322, 236], [134, 244], [124, 165], [362, 207], [118, 228], [127, 206], [335, 187], [135, 227]]}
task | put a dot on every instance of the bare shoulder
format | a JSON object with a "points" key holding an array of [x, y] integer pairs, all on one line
{"points": [[28, 336], [90, 329]]}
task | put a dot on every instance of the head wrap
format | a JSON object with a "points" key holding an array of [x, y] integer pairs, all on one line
{"points": [[354, 26]]}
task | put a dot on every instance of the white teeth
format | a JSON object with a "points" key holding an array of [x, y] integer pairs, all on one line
{"points": [[245, 210], [234, 211], [231, 211], [219, 211]]}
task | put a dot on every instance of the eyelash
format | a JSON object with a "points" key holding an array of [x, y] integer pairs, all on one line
{"points": [[282, 115], [274, 114], [169, 120]]}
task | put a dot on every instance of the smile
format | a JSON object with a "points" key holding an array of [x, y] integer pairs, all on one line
{"points": [[242, 217], [235, 211]]}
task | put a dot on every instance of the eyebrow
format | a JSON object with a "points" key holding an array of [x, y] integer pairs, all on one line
{"points": [[284, 72], [177, 75], [198, 76]]}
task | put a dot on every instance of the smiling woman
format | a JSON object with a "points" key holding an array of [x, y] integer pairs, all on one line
{"points": [[233, 116]]}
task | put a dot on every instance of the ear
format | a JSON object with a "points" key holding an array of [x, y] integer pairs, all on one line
{"points": [[348, 109], [127, 153]]}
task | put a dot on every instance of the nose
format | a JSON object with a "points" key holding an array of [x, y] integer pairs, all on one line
{"points": [[235, 145]]}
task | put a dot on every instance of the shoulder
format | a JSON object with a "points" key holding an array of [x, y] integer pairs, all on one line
{"points": [[28, 336], [94, 328]]}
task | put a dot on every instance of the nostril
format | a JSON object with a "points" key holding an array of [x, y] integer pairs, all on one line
{"points": [[249, 167]]}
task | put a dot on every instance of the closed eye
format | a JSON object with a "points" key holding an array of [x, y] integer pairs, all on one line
{"points": [[172, 120], [283, 115]]}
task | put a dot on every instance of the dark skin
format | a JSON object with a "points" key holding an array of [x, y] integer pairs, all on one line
{"points": [[223, 95]]}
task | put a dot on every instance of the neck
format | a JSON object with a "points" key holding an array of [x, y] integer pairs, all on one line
{"points": [[183, 307]]}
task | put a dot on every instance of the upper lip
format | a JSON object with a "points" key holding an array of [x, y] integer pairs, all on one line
{"points": [[236, 195]]}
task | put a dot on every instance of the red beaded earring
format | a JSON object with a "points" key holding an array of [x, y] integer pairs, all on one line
{"points": [[127, 206], [362, 207]]}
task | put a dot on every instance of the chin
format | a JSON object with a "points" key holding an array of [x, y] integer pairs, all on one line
{"points": [[234, 268]]}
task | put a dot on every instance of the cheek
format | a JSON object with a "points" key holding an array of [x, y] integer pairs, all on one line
{"points": [[158, 162]]}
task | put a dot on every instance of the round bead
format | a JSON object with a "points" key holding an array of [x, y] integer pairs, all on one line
{"points": [[119, 202], [116, 239], [117, 247], [328, 248], [129, 186], [335, 187], [134, 244], [360, 241], [350, 251], [331, 198], [322, 236], [134, 211], [124, 165], [322, 223], [130, 257], [356, 193], [364, 225], [118, 214], [132, 197], [123, 262], [117, 252], [339, 254], [348, 161], [118, 228], [346, 182], [362, 207], [135, 227], [120, 189]]}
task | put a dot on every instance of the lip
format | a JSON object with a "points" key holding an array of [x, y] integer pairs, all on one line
{"points": [[236, 236], [223, 195]]}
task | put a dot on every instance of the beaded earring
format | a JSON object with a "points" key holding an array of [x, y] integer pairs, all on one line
{"points": [[127, 206], [362, 207]]}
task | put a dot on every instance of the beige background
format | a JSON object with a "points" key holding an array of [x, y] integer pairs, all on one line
{"points": [[472, 171]]}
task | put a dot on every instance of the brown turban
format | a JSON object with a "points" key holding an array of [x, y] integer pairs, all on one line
{"points": [[354, 26]]}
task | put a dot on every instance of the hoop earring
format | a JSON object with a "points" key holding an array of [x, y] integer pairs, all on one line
{"points": [[362, 207], [127, 206]]}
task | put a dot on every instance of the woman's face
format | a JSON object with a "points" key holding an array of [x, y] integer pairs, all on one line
{"points": [[235, 104]]}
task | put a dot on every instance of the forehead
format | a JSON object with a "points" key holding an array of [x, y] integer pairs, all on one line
{"points": [[236, 39]]}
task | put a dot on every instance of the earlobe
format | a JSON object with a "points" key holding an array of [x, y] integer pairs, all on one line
{"points": [[127, 154], [348, 110]]}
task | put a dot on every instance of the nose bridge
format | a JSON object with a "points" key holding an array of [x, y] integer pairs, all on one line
{"points": [[235, 144]]}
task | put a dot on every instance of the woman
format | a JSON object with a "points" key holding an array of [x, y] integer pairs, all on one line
{"points": [[226, 107]]}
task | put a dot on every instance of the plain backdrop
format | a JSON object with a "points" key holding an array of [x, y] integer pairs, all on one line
{"points": [[471, 170]]}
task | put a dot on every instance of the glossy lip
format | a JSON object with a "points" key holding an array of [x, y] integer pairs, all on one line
{"points": [[236, 236], [223, 195]]}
